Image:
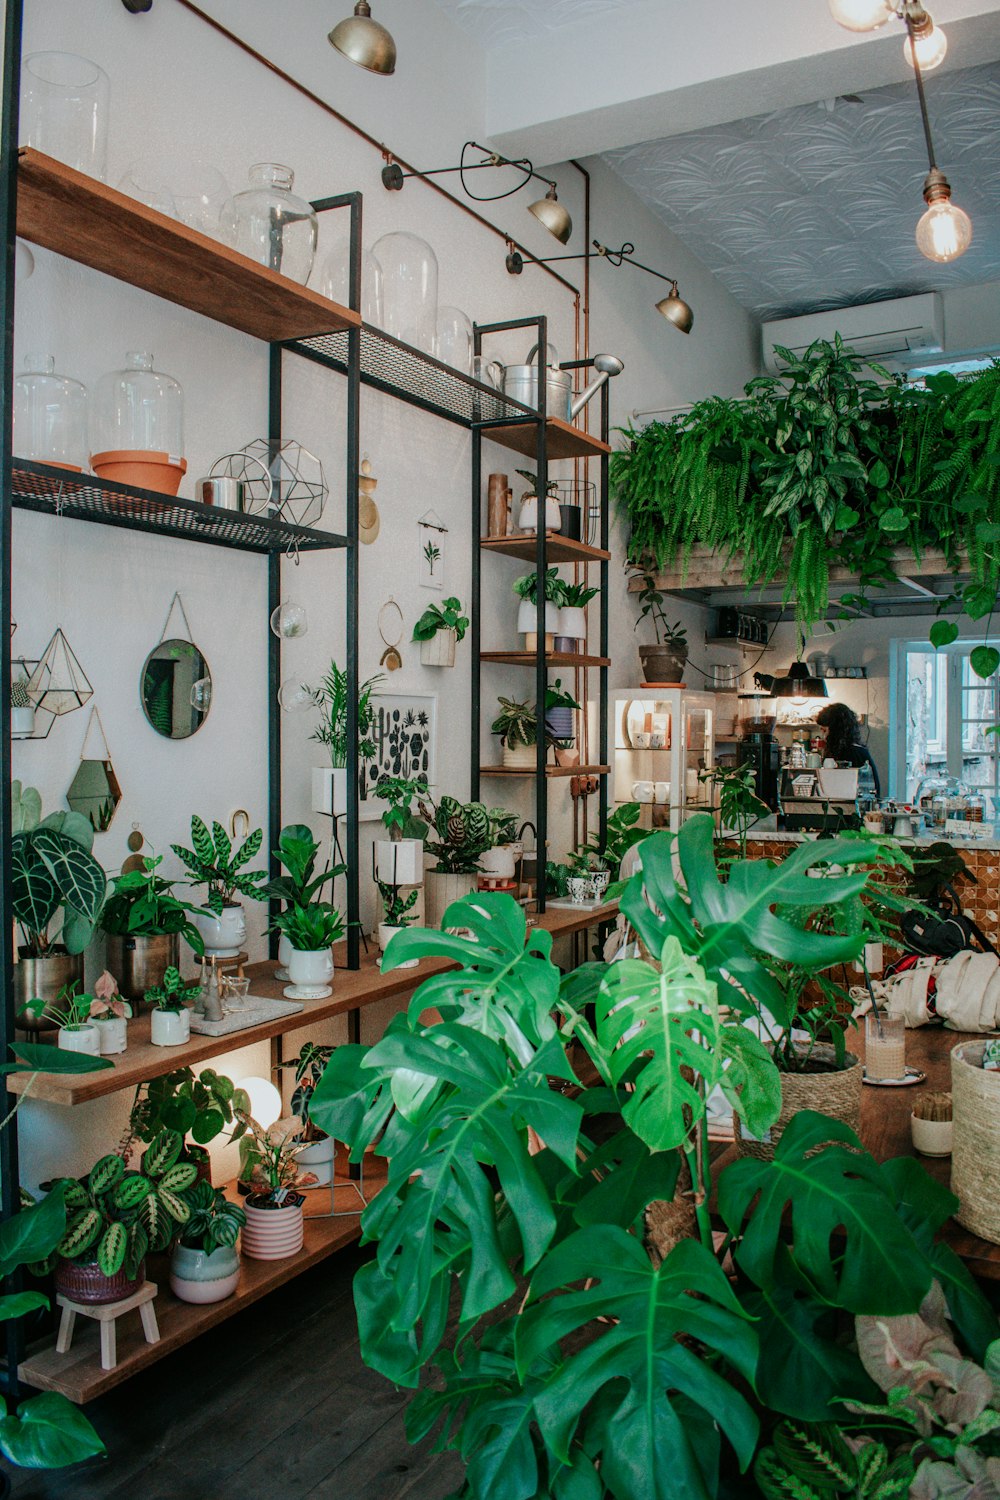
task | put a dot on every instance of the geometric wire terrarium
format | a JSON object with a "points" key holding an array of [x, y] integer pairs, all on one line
{"points": [[299, 487], [59, 684]]}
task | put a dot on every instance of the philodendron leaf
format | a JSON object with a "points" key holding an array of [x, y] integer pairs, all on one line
{"points": [[942, 633], [828, 1186], [79, 877], [639, 1367], [34, 1232], [48, 1432], [984, 660], [34, 893]]}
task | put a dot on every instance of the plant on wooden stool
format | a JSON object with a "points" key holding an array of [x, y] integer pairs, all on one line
{"points": [[173, 994]]}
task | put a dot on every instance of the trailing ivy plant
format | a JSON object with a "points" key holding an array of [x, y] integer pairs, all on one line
{"points": [[825, 466]]}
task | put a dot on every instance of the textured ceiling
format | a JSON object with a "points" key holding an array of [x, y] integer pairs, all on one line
{"points": [[815, 207], [498, 23]]}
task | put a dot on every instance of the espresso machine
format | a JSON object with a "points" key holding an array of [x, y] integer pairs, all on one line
{"points": [[758, 747]]}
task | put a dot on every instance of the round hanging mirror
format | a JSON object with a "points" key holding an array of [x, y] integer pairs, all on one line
{"points": [[176, 689]]}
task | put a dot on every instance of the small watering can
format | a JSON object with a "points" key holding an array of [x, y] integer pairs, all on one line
{"points": [[520, 382]]}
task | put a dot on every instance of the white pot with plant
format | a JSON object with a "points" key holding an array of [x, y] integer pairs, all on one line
{"points": [[499, 862], [459, 834], [439, 630], [213, 862], [319, 1150], [397, 914], [572, 625], [269, 1166], [399, 859], [517, 726], [22, 710], [526, 589], [111, 1014], [527, 516], [662, 663], [560, 707], [205, 1264], [71, 1013], [170, 1022], [297, 853], [329, 783], [312, 930]]}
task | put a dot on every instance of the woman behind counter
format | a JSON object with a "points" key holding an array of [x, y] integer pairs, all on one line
{"points": [[844, 742]]}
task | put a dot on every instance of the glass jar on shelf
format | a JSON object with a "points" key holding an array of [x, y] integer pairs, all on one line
{"points": [[335, 280], [138, 427], [270, 224], [409, 288], [64, 110], [50, 415]]}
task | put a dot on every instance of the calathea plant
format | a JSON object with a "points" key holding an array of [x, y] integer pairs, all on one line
{"points": [[214, 863], [576, 1365], [461, 832]]}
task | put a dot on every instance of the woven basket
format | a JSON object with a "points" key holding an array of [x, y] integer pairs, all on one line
{"points": [[975, 1155], [837, 1094], [668, 1221]]}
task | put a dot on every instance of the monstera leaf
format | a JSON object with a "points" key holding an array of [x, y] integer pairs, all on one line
{"points": [[648, 1382], [829, 1188]]}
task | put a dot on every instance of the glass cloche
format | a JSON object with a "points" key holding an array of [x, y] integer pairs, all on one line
{"points": [[409, 288], [138, 409], [50, 415], [271, 224], [335, 281]]}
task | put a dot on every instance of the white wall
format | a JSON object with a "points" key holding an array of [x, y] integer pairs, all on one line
{"points": [[177, 84]]}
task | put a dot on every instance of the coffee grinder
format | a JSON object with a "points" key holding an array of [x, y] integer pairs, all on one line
{"points": [[758, 747]]}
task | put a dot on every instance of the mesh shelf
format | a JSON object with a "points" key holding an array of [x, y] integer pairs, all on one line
{"points": [[418, 378], [61, 492]]}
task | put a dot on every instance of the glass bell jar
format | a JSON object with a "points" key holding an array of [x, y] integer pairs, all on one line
{"points": [[50, 415], [335, 281], [64, 109], [454, 339], [271, 224], [138, 427], [409, 288]]}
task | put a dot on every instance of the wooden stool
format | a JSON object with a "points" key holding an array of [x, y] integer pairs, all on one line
{"points": [[211, 968], [105, 1313]]}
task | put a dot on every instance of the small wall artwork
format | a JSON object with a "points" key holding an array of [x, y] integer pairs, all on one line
{"points": [[404, 734], [432, 536]]}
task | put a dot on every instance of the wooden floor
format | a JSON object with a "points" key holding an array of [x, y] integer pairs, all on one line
{"points": [[275, 1404]]}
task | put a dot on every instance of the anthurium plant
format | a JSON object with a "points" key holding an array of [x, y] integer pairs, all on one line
{"points": [[511, 1280]]}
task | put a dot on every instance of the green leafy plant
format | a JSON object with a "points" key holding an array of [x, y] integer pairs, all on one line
{"points": [[556, 696], [214, 863], [142, 903], [739, 806], [173, 993], [551, 487], [650, 601], [331, 697], [623, 833], [268, 1158], [201, 1105], [308, 1069], [461, 834], [516, 723], [70, 1008], [577, 595], [503, 827], [396, 905], [401, 792], [214, 1221], [444, 616], [815, 1461], [52, 871], [310, 928], [432, 555], [526, 587]]}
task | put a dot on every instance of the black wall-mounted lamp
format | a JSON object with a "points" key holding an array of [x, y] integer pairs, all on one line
{"points": [[548, 210], [672, 307]]}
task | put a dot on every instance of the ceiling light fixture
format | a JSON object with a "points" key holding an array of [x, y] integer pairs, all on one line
{"points": [[548, 210], [799, 683], [944, 231], [926, 44], [672, 306], [364, 42], [860, 15]]}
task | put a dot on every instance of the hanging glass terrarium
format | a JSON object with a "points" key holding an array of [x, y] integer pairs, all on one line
{"points": [[59, 684]]}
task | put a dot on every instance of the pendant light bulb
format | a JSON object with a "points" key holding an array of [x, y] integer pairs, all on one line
{"points": [[676, 310], [927, 41], [860, 15], [550, 212], [944, 232], [364, 42]]}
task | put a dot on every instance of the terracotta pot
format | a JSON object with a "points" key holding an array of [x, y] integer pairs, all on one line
{"points": [[272, 1233], [836, 1093], [439, 651], [140, 960], [202, 1276], [661, 664], [140, 469], [84, 1281], [441, 889], [42, 979]]}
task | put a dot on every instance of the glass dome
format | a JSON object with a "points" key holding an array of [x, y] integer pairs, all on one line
{"points": [[50, 415], [184, 187], [138, 409], [454, 339], [271, 224], [335, 281], [64, 109], [409, 288]]}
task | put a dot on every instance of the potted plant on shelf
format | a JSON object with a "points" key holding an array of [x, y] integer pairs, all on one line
{"points": [[111, 1014], [518, 729], [214, 863], [662, 663], [205, 1264], [297, 852], [439, 629], [559, 710], [269, 1165], [396, 906], [70, 1013], [571, 630], [144, 922], [604, 856], [461, 835], [170, 1023], [526, 589], [53, 876], [399, 860], [499, 861], [318, 1148], [22, 710], [329, 783], [527, 516], [311, 931], [200, 1105]]}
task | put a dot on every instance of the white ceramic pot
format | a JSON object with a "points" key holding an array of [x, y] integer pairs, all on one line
{"points": [[22, 723], [519, 757], [113, 1034], [310, 968], [169, 1028], [272, 1233], [400, 863], [527, 518], [318, 1158], [572, 622], [931, 1137], [439, 651], [203, 1276], [498, 863], [223, 936], [386, 933], [83, 1038], [329, 790], [441, 889], [527, 617]]}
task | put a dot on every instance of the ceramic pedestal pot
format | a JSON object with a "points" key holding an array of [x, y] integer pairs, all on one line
{"points": [[519, 757], [975, 1152], [386, 933], [439, 651], [497, 863], [400, 862], [527, 618], [527, 518], [42, 979], [113, 1035], [140, 960], [310, 968], [272, 1231], [329, 790], [84, 1281], [204, 1276], [82, 1038], [836, 1093], [170, 1028], [662, 663], [318, 1158], [572, 622], [441, 889], [284, 950], [225, 935]]}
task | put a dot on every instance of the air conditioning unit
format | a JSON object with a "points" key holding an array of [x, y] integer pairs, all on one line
{"points": [[887, 332]]}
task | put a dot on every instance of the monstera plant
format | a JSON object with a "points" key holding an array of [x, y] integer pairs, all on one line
{"points": [[53, 871], [510, 1261]]}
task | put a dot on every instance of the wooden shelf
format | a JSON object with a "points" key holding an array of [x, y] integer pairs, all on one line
{"points": [[89, 222], [529, 771], [352, 990], [564, 440], [552, 659], [559, 549]]}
